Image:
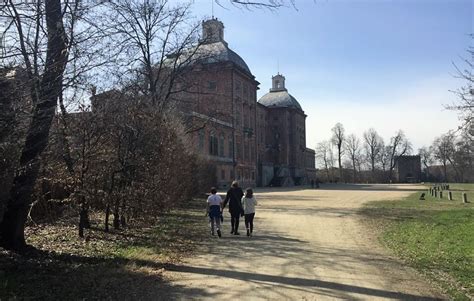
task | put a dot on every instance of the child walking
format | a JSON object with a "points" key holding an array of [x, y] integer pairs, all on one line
{"points": [[248, 203], [214, 210]]}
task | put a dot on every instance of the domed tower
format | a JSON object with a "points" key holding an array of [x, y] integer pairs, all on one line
{"points": [[219, 99], [285, 136]]}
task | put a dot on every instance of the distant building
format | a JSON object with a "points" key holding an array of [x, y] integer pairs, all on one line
{"points": [[408, 169]]}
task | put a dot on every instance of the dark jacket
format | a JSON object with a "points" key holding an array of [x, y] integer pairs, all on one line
{"points": [[234, 197]]}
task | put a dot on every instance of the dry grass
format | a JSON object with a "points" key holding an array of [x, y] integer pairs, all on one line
{"points": [[122, 264]]}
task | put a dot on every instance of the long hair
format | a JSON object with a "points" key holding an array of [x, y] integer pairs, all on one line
{"points": [[249, 193]]}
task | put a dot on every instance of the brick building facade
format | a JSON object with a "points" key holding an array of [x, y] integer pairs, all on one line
{"points": [[258, 143]]}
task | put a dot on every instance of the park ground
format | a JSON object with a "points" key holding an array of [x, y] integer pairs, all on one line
{"points": [[330, 243]]}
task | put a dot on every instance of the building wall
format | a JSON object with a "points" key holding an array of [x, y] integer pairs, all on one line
{"points": [[408, 169], [223, 102]]}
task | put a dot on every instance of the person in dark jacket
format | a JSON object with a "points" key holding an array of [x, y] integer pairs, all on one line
{"points": [[234, 197]]}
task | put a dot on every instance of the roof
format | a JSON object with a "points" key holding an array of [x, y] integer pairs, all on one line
{"points": [[279, 99], [210, 53]]}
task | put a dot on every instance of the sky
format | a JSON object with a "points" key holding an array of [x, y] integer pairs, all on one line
{"points": [[386, 64]]}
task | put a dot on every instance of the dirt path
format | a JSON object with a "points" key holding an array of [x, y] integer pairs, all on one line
{"points": [[308, 245]]}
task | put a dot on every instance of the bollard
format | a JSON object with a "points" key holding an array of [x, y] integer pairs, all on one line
{"points": [[440, 194], [447, 187], [436, 193], [464, 197], [450, 195]]}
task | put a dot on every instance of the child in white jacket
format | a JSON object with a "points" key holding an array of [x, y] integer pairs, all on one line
{"points": [[248, 203]]}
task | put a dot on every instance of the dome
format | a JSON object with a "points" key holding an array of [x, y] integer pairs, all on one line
{"points": [[279, 99], [219, 52], [212, 49]]}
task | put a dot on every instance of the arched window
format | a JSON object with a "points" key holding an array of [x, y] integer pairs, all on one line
{"points": [[213, 144], [221, 145]]}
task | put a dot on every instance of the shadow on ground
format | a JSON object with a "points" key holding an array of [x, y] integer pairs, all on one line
{"points": [[294, 256], [52, 276]]}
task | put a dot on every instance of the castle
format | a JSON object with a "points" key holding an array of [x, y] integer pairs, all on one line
{"points": [[258, 143]]}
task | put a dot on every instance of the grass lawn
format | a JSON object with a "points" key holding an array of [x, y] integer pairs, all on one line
{"points": [[435, 236], [126, 264]]}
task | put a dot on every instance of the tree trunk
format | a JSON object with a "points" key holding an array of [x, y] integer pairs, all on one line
{"points": [[354, 173], [13, 224], [340, 163], [123, 221], [116, 215], [84, 222], [107, 214]]}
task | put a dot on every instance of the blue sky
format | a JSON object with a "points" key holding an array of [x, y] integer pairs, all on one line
{"points": [[382, 64]]}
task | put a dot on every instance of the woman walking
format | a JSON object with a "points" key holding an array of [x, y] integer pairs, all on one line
{"points": [[234, 197], [214, 205], [248, 203]]}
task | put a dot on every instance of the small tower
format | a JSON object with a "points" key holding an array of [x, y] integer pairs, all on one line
{"points": [[212, 31], [278, 83]]}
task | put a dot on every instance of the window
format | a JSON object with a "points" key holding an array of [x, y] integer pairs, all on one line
{"points": [[237, 118], [253, 175], [238, 86], [213, 144], [221, 146], [239, 150], [211, 85], [222, 174], [231, 174], [231, 148]]}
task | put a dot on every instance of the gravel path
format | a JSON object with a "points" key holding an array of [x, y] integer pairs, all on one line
{"points": [[307, 245]]}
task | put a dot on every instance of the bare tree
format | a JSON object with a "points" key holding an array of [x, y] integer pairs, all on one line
{"points": [[465, 94], [338, 140], [353, 148], [46, 88], [373, 147], [399, 146], [463, 157], [324, 156], [426, 156], [156, 42], [443, 150]]}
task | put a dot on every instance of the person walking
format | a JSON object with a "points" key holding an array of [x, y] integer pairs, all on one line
{"points": [[214, 210], [234, 197], [248, 203]]}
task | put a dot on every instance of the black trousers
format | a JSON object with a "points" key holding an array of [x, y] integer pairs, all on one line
{"points": [[249, 221], [234, 221]]}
